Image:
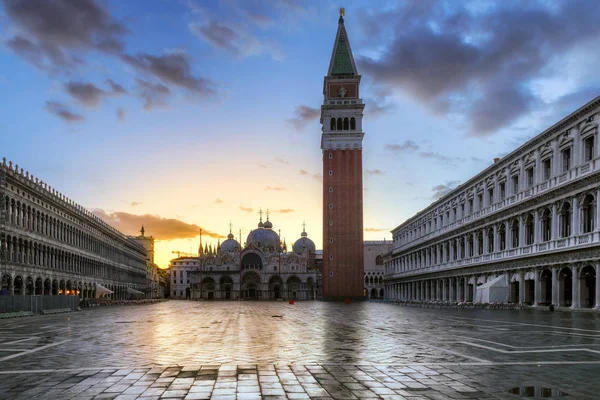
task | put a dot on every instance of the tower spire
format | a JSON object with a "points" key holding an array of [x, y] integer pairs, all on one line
{"points": [[342, 61], [200, 246]]}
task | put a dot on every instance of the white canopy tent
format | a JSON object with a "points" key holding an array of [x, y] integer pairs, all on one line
{"points": [[133, 291], [101, 291], [494, 291]]}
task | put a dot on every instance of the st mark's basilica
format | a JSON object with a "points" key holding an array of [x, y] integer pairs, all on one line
{"points": [[262, 269]]}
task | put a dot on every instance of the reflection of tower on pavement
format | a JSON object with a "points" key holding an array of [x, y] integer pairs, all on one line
{"points": [[341, 143]]}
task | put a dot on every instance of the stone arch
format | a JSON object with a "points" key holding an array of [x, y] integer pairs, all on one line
{"points": [[18, 285], [250, 285], [587, 287], [294, 286], [275, 287], [252, 260], [588, 213], [226, 286], [208, 288], [39, 286], [565, 287]]}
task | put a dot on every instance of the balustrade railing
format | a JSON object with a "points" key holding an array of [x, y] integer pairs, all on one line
{"points": [[554, 244]]}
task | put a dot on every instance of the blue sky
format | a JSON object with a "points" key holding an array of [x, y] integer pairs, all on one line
{"points": [[187, 114]]}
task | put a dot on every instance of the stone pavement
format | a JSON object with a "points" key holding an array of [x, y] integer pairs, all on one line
{"points": [[246, 350]]}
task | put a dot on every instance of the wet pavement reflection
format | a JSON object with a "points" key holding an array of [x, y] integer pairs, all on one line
{"points": [[309, 349]]}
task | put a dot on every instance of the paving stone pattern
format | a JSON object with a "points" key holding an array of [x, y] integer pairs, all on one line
{"points": [[247, 350]]}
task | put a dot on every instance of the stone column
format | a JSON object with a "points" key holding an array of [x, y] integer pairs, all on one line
{"points": [[458, 299], [574, 217], [597, 285], [537, 287], [444, 290], [536, 227], [474, 287], [555, 224], [466, 290], [575, 287], [555, 295], [521, 287]]}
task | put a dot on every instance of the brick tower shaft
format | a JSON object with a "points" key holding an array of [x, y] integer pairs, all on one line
{"points": [[341, 143]]}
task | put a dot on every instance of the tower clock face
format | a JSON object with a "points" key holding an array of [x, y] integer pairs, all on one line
{"points": [[342, 92]]}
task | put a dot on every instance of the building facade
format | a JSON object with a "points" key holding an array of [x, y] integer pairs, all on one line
{"points": [[153, 288], [261, 270], [529, 223], [341, 144], [374, 251], [52, 246]]}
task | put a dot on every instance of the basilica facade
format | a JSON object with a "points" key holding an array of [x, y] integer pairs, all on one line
{"points": [[262, 269], [525, 230]]}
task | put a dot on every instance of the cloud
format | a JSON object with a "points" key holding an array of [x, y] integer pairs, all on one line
{"points": [[375, 172], [276, 188], [247, 209], [282, 161], [477, 61], [89, 95], [219, 201], [115, 87], [374, 230], [121, 114], [262, 166], [172, 68], [134, 203], [86, 93], [283, 211], [314, 176], [439, 157], [51, 31], [377, 108], [154, 94], [235, 38], [441, 190], [304, 115], [407, 147], [61, 111], [155, 225]]}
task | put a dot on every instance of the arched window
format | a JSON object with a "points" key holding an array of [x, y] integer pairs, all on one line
{"points": [[502, 237], [332, 126], [565, 220], [346, 124], [352, 123], [490, 239], [366, 280], [339, 124], [479, 243], [546, 225], [378, 260], [529, 229], [514, 232], [470, 242], [587, 209]]}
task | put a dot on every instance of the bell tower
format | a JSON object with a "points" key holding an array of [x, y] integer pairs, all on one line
{"points": [[341, 143]]}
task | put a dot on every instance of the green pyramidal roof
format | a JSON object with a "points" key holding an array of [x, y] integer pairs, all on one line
{"points": [[342, 62]]}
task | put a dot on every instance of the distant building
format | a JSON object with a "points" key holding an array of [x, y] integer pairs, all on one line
{"points": [[374, 271], [49, 245], [528, 226], [153, 289], [263, 269]]}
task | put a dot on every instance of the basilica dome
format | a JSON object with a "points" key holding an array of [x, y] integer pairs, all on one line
{"points": [[230, 245], [303, 243], [264, 237]]}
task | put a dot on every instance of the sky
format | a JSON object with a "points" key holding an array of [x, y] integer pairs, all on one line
{"points": [[187, 114]]}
